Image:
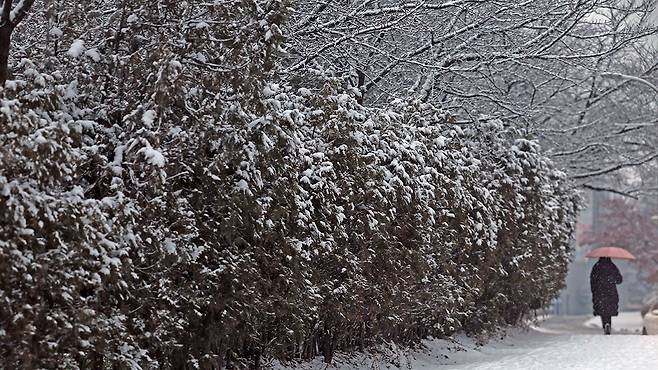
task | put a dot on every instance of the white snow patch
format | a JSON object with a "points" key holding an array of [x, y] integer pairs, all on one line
{"points": [[93, 54], [169, 245], [148, 117], [176, 64], [201, 25], [626, 322], [242, 185], [11, 85], [153, 156], [76, 49], [270, 90], [56, 32]]}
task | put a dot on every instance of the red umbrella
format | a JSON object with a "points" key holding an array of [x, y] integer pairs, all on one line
{"points": [[612, 252]]}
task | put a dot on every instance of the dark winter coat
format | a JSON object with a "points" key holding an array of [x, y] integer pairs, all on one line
{"points": [[603, 280]]}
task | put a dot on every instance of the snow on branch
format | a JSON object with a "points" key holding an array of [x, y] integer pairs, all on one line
{"points": [[616, 167], [632, 78]]}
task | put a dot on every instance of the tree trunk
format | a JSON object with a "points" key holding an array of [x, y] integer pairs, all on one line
{"points": [[257, 360], [5, 43], [327, 346]]}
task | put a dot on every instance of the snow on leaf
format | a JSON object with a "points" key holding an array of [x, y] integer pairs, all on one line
{"points": [[77, 49]]}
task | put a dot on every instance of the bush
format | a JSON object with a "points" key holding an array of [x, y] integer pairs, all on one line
{"points": [[211, 217]]}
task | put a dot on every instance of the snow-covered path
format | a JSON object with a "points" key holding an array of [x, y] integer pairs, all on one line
{"points": [[549, 352], [560, 343]]}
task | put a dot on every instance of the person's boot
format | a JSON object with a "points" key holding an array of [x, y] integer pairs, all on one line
{"points": [[607, 329]]}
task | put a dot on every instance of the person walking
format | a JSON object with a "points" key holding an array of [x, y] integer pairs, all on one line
{"points": [[603, 281]]}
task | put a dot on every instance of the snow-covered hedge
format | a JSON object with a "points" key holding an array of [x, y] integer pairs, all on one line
{"points": [[214, 216]]}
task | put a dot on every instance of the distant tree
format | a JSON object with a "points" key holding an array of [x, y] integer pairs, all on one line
{"points": [[629, 224], [578, 75]]}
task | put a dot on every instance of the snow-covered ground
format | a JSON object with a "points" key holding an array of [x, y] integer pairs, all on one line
{"points": [[558, 343], [626, 322], [536, 351]]}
